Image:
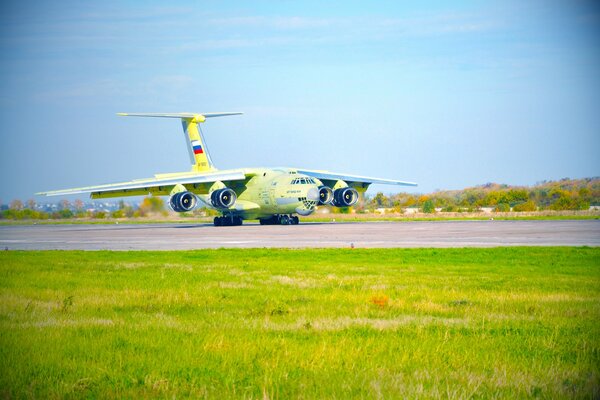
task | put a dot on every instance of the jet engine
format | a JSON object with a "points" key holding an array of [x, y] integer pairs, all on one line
{"points": [[183, 201], [223, 198], [345, 197], [325, 195]]}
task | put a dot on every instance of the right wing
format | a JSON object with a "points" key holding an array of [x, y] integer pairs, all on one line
{"points": [[330, 178], [161, 185]]}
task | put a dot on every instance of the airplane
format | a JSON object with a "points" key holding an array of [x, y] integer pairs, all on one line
{"points": [[271, 195]]}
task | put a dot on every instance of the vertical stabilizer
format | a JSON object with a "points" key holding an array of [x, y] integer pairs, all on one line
{"points": [[198, 151], [199, 156]]}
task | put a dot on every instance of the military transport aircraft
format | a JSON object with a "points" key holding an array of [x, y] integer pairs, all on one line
{"points": [[271, 195]]}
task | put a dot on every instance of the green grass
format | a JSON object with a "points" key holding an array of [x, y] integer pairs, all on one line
{"points": [[393, 323]]}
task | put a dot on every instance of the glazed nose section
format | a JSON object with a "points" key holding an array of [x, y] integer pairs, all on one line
{"points": [[312, 194]]}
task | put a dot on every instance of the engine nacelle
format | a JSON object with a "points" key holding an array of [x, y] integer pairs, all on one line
{"points": [[183, 201], [223, 198], [345, 197], [325, 195]]}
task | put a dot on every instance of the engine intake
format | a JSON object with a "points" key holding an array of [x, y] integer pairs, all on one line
{"points": [[183, 201], [345, 197], [325, 195], [223, 198]]}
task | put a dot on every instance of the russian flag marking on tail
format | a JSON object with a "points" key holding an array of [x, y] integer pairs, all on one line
{"points": [[197, 147]]}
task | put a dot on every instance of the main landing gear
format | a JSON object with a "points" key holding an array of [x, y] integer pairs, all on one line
{"points": [[228, 220], [280, 220]]}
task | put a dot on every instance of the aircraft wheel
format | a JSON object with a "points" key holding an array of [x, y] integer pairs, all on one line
{"points": [[218, 221], [284, 220], [237, 221], [295, 220]]}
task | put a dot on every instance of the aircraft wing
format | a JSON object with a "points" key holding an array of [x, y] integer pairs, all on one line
{"points": [[161, 185], [329, 179]]}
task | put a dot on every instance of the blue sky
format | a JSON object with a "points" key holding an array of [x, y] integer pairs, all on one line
{"points": [[447, 94]]}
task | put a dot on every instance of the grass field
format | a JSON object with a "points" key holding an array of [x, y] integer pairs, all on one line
{"points": [[394, 323]]}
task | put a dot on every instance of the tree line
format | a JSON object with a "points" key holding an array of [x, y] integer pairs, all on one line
{"points": [[66, 210], [565, 194]]}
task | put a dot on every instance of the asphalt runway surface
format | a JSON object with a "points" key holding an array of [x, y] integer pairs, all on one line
{"points": [[308, 235]]}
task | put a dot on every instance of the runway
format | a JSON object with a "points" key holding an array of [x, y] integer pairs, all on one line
{"points": [[311, 235]]}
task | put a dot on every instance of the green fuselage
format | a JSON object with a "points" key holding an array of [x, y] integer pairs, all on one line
{"points": [[272, 191]]}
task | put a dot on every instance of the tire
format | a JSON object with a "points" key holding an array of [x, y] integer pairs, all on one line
{"points": [[217, 221], [295, 220], [284, 220]]}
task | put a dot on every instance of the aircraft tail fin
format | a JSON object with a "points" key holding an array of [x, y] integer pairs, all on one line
{"points": [[199, 155]]}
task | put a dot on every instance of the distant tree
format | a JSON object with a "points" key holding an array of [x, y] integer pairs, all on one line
{"points": [[16, 205], [128, 211], [31, 204], [526, 206], [380, 200], [152, 204], [78, 204], [428, 207], [65, 213], [502, 207], [410, 201], [99, 215], [117, 214], [64, 204]]}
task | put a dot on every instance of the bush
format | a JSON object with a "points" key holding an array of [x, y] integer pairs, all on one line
{"points": [[502, 207], [65, 213], [527, 206], [118, 214], [569, 203], [428, 207]]}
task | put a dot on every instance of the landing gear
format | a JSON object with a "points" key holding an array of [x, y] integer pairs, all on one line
{"points": [[228, 220], [280, 220]]}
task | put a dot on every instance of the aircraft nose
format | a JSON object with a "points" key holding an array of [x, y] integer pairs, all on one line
{"points": [[313, 194]]}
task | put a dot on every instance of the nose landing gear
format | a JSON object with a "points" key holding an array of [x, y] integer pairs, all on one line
{"points": [[280, 220]]}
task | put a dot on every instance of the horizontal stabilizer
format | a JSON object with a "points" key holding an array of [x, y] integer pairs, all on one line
{"points": [[180, 115]]}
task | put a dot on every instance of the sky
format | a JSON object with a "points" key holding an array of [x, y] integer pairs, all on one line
{"points": [[446, 94]]}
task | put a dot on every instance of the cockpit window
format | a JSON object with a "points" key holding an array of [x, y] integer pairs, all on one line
{"points": [[303, 181]]}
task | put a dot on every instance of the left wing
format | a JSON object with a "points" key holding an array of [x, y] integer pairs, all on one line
{"points": [[198, 183], [330, 178]]}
